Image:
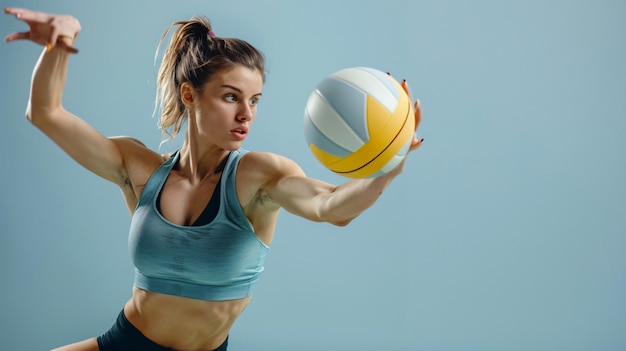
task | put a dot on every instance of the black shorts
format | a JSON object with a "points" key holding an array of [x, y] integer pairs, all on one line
{"points": [[123, 336]]}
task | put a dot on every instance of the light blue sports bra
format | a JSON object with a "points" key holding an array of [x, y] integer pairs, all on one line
{"points": [[221, 260]]}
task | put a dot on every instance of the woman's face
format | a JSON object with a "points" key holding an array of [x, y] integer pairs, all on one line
{"points": [[227, 106]]}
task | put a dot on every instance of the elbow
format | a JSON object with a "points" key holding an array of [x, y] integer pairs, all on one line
{"points": [[29, 114], [34, 116], [37, 116], [335, 220], [341, 222], [331, 216]]}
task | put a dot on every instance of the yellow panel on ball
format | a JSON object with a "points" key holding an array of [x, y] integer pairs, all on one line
{"points": [[376, 164], [377, 116], [324, 157], [378, 147]]}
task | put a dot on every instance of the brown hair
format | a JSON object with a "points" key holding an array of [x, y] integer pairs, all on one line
{"points": [[193, 55]]}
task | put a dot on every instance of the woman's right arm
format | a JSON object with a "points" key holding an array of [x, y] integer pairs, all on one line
{"points": [[77, 138]]}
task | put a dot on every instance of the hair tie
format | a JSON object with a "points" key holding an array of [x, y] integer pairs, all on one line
{"points": [[212, 34]]}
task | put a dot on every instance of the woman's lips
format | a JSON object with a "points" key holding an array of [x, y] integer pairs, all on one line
{"points": [[240, 132]]}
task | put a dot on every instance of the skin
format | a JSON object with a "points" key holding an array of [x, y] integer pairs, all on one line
{"points": [[220, 116]]}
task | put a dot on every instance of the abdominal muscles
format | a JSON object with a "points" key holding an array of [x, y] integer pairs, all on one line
{"points": [[182, 323]]}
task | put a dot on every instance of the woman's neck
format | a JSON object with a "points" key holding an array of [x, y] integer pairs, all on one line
{"points": [[198, 162]]}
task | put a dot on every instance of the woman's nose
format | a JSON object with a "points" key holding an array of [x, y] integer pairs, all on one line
{"points": [[246, 113]]}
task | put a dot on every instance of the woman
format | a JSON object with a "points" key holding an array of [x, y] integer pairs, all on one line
{"points": [[203, 217]]}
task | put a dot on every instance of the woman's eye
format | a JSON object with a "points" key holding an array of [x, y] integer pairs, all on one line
{"points": [[230, 98], [254, 101]]}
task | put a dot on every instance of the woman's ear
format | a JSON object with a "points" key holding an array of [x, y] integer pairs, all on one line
{"points": [[187, 94]]}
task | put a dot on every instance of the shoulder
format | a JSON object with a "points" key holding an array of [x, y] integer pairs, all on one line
{"points": [[259, 172], [139, 160], [270, 164]]}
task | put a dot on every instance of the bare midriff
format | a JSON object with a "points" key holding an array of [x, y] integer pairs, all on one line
{"points": [[181, 323]]}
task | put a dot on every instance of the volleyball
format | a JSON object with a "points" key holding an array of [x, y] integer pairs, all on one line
{"points": [[359, 122]]}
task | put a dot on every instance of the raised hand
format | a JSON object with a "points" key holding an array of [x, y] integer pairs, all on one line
{"points": [[46, 29]]}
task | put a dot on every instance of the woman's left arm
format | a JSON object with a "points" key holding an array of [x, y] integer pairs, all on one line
{"points": [[323, 202]]}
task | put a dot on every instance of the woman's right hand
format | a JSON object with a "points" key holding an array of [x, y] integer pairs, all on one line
{"points": [[46, 29]]}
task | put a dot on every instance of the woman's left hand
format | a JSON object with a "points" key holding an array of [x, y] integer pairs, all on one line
{"points": [[415, 142]]}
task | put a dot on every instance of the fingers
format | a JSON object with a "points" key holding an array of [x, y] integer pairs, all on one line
{"points": [[17, 12], [26, 15], [46, 29], [416, 106], [406, 88], [52, 37], [11, 11], [415, 143], [418, 114], [418, 118], [63, 42], [63, 32], [404, 85], [17, 36]]}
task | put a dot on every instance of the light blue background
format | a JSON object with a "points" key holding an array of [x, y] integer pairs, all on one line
{"points": [[507, 230]]}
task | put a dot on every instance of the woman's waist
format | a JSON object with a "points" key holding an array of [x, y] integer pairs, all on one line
{"points": [[180, 322]]}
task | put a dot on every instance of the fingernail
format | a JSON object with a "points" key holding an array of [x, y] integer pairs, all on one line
{"points": [[48, 47], [422, 140]]}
